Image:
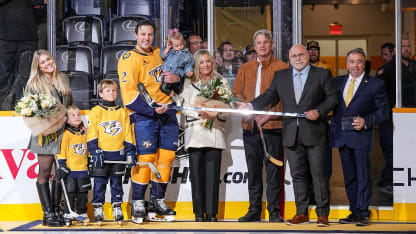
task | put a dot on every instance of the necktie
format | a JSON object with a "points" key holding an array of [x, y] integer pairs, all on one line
{"points": [[350, 92], [298, 87]]}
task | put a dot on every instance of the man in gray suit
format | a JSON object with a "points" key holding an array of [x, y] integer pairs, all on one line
{"points": [[309, 90]]}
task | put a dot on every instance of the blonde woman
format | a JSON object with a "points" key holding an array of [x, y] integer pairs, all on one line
{"points": [[203, 145], [45, 78]]}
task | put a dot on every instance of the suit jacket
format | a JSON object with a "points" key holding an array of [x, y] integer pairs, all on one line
{"points": [[369, 102], [318, 93]]}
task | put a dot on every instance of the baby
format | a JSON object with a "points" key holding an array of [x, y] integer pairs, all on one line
{"points": [[177, 59]]}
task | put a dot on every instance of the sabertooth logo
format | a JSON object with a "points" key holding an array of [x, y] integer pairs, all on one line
{"points": [[79, 149], [146, 144], [156, 73], [113, 127]]}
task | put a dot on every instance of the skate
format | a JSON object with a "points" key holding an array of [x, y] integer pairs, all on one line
{"points": [[85, 222], [138, 211], [159, 211], [98, 214], [67, 220], [118, 213]]}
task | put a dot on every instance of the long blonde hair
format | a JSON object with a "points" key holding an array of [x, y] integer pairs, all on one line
{"points": [[37, 82], [197, 60]]}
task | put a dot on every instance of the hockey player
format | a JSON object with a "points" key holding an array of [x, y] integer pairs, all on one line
{"points": [[156, 130], [73, 164], [109, 138]]}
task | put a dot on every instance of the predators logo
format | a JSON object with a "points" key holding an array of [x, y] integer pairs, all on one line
{"points": [[156, 73], [79, 149], [113, 127]]}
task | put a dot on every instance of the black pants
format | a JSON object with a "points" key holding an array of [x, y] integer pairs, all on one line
{"points": [[10, 52], [204, 166], [254, 158]]}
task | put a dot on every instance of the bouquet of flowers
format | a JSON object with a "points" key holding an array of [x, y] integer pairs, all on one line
{"points": [[214, 94], [43, 114]]}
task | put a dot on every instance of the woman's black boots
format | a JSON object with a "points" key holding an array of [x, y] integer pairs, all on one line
{"points": [[49, 218]]}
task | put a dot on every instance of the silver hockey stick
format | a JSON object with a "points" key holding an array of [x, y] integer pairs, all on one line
{"points": [[149, 100], [149, 164], [72, 213]]}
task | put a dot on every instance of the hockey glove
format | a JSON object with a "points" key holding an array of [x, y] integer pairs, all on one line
{"points": [[63, 172], [132, 159], [98, 158]]}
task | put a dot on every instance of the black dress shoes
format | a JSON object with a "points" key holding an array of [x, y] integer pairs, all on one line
{"points": [[251, 216], [352, 218], [211, 218], [362, 222], [274, 217], [199, 218]]}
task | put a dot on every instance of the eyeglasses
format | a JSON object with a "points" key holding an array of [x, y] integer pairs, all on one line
{"points": [[295, 56], [313, 49]]}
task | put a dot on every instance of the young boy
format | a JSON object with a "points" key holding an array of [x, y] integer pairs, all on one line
{"points": [[109, 137], [73, 164]]}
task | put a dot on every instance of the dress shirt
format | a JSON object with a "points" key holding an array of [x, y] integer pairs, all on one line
{"points": [[356, 84], [258, 82], [303, 76]]}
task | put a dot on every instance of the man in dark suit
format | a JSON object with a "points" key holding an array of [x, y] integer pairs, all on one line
{"points": [[362, 105], [309, 90]]}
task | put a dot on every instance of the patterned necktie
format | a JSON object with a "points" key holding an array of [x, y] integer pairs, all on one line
{"points": [[350, 92], [298, 87]]}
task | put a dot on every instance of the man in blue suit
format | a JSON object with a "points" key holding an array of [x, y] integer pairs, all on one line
{"points": [[362, 105]]}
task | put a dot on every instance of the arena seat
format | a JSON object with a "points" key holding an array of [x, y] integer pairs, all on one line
{"points": [[85, 30], [76, 62], [137, 7], [109, 63], [88, 7], [122, 29]]}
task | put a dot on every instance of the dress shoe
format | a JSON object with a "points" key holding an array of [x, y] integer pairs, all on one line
{"points": [[211, 218], [322, 221], [199, 218], [298, 219], [274, 217], [363, 221], [352, 218], [251, 216]]}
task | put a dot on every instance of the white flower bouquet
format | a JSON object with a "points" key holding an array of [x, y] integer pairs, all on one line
{"points": [[214, 94], [43, 114]]}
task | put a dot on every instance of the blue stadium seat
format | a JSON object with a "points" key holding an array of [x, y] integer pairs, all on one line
{"points": [[109, 63], [122, 29], [76, 62]]}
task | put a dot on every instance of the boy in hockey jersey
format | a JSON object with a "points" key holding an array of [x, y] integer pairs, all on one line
{"points": [[109, 137], [73, 164]]}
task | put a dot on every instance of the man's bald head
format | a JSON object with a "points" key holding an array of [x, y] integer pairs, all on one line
{"points": [[298, 57]]}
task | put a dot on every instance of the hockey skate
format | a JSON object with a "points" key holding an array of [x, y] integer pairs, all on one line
{"points": [[85, 222], [138, 211], [68, 220], [98, 214], [159, 211], [118, 213]]}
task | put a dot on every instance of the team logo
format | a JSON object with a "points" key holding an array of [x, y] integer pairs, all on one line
{"points": [[129, 25], [146, 144], [126, 55], [120, 53], [82, 27], [78, 149], [156, 73], [113, 127]]}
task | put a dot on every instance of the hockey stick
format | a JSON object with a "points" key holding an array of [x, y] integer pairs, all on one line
{"points": [[268, 156], [149, 100], [149, 164], [72, 213]]}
